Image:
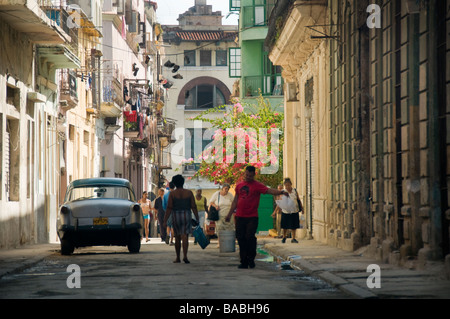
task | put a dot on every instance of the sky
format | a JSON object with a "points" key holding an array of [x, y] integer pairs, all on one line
{"points": [[168, 10]]}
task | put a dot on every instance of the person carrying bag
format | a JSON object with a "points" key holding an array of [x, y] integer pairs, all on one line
{"points": [[290, 218], [213, 213]]}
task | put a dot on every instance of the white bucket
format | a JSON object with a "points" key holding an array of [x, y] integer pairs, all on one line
{"points": [[227, 241]]}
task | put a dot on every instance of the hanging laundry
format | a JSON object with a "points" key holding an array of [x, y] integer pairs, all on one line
{"points": [[141, 126], [131, 116], [138, 103]]}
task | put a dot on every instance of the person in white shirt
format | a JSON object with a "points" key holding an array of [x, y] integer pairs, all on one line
{"points": [[291, 220], [222, 201]]}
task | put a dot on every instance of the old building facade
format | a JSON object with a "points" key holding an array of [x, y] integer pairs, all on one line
{"points": [[379, 130], [196, 75], [66, 73], [33, 46]]}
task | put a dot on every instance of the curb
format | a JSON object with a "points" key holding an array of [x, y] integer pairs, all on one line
{"points": [[15, 260], [24, 266], [330, 278]]}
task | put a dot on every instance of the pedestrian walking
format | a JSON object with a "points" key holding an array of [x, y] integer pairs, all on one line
{"points": [[169, 228], [246, 202], [160, 212], [290, 220], [276, 215], [202, 208], [222, 201], [145, 205], [180, 206]]}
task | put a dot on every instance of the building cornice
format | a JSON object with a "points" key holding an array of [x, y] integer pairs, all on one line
{"points": [[294, 44]]}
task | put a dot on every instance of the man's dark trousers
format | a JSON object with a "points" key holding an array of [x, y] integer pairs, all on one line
{"points": [[245, 233]]}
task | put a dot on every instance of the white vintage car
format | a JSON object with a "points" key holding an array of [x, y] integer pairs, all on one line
{"points": [[100, 212]]}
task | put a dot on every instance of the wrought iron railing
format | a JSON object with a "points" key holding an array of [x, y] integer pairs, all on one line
{"points": [[267, 85], [60, 16]]}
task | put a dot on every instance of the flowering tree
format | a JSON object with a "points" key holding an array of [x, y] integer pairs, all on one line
{"points": [[245, 135]]}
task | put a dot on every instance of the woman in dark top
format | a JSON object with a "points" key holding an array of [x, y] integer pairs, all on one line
{"points": [[159, 210], [181, 202]]}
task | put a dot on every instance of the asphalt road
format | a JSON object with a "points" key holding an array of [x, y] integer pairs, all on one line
{"points": [[113, 273]]}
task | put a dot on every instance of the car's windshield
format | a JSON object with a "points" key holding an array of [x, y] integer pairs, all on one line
{"points": [[80, 193]]}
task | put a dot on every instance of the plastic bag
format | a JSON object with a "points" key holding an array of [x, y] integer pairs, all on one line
{"points": [[287, 204]]}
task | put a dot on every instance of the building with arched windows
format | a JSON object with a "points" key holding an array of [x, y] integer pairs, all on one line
{"points": [[196, 77]]}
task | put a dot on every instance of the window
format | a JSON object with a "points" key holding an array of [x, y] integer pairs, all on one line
{"points": [[86, 137], [12, 156], [256, 14], [273, 82], [205, 58], [221, 58], [30, 158], [189, 58], [235, 5], [204, 97], [71, 132], [235, 62], [196, 141], [13, 97]]}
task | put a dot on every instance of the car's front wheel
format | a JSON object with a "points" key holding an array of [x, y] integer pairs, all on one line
{"points": [[134, 244], [67, 247]]}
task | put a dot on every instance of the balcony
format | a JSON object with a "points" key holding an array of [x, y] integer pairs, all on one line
{"points": [[85, 16], [131, 129], [270, 85], [165, 128], [27, 17], [130, 125], [61, 16], [111, 105], [68, 97], [190, 169]]}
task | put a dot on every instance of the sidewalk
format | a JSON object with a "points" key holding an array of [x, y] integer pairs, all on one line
{"points": [[347, 271], [18, 259]]}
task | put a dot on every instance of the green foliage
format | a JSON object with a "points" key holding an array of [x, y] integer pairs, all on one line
{"points": [[219, 165]]}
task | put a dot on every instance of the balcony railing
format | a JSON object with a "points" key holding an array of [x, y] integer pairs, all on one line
{"points": [[112, 92], [270, 85], [165, 128], [60, 16], [191, 168], [29, 17]]}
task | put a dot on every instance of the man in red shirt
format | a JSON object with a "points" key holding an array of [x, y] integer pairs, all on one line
{"points": [[246, 202]]}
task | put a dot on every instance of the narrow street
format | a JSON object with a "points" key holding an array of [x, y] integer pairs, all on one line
{"points": [[343, 105], [113, 273]]}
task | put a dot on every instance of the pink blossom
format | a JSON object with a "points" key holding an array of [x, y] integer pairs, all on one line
{"points": [[239, 107]]}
